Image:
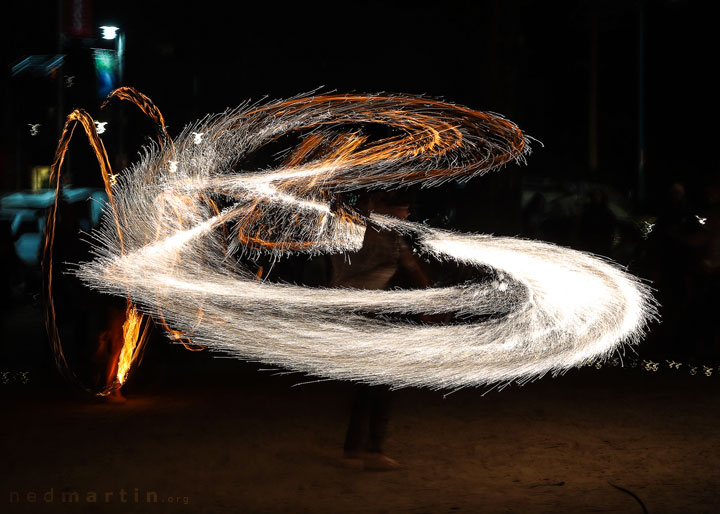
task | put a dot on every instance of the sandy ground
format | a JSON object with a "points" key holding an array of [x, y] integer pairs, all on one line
{"points": [[210, 435]]}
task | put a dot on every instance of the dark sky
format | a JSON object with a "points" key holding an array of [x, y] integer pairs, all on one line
{"points": [[529, 60]]}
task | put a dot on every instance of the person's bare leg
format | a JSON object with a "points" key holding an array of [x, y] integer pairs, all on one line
{"points": [[114, 335], [374, 458], [357, 427]]}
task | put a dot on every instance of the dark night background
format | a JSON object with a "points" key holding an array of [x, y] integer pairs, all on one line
{"points": [[621, 100]]}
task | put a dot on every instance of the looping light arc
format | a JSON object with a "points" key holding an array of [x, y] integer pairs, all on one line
{"points": [[181, 216]]}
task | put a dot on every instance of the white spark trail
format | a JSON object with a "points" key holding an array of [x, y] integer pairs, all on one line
{"points": [[548, 309]]}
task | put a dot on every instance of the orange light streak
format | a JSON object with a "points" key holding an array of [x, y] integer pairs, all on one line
{"points": [[131, 337]]}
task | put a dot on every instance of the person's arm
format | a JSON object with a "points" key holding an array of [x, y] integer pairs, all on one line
{"points": [[409, 263]]}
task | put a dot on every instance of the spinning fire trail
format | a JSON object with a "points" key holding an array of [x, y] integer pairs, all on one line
{"points": [[179, 218]]}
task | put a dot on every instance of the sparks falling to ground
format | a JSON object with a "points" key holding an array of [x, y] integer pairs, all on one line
{"points": [[179, 219]]}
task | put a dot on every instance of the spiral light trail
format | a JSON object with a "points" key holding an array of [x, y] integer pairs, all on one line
{"points": [[182, 215]]}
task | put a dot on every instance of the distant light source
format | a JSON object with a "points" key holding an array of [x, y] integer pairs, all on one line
{"points": [[109, 32]]}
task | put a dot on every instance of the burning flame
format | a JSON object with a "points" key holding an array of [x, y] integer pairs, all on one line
{"points": [[131, 336]]}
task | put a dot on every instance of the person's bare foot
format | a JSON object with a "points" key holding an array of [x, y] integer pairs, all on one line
{"points": [[379, 462], [352, 460], [115, 397]]}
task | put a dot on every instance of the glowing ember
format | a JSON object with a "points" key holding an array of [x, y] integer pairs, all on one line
{"points": [[100, 126]]}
